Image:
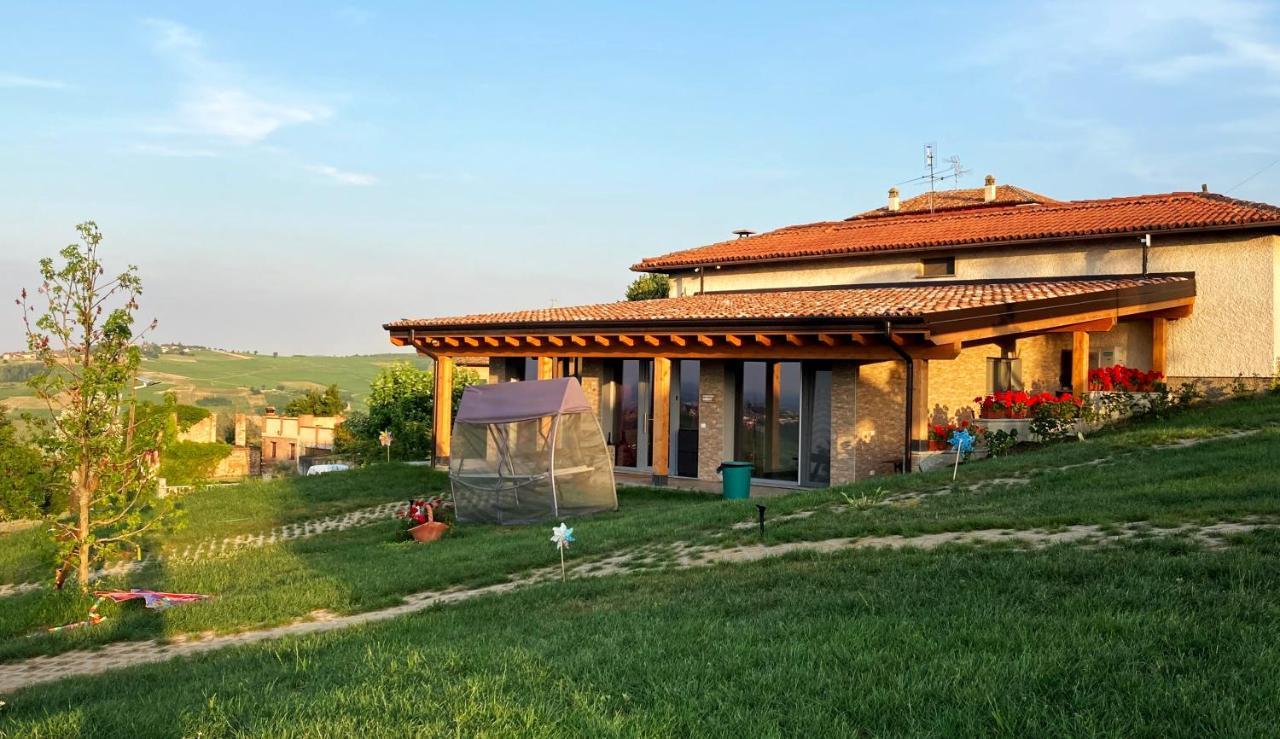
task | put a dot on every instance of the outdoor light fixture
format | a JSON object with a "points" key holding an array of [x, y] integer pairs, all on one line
{"points": [[760, 510]]}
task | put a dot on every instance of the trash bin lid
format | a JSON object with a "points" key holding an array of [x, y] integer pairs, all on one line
{"points": [[737, 464]]}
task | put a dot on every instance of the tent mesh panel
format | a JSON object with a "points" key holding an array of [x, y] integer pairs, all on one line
{"points": [[530, 471]]}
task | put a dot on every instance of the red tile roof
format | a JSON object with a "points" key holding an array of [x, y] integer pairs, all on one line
{"points": [[973, 197], [845, 303], [1178, 211]]}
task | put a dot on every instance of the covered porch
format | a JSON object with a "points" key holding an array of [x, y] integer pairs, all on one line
{"points": [[815, 386]]}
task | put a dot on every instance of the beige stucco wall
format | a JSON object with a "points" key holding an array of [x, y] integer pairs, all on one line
{"points": [[1234, 329]]}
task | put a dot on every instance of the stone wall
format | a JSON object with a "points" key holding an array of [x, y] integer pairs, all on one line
{"points": [[235, 466], [592, 379], [844, 422], [713, 409], [204, 431], [880, 404], [954, 383]]}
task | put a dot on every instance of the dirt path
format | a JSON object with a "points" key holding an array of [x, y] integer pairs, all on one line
{"points": [[16, 675]]}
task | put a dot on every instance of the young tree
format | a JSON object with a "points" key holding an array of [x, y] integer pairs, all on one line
{"points": [[316, 403], [96, 440], [401, 400], [648, 287]]}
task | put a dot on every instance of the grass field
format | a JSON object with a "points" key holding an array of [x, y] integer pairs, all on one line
{"points": [[223, 380], [1154, 634]]}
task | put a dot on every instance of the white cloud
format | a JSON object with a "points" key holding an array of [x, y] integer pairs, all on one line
{"points": [[239, 116], [18, 80], [346, 178], [217, 101]]}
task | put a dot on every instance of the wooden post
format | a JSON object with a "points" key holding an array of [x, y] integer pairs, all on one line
{"points": [[1159, 344], [1079, 363], [920, 409], [661, 419], [546, 368], [443, 420]]}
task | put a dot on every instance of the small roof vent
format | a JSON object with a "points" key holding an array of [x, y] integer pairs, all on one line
{"points": [[743, 233]]}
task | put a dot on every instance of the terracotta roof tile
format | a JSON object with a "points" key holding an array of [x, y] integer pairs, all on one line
{"points": [[870, 302], [1168, 212], [972, 197]]}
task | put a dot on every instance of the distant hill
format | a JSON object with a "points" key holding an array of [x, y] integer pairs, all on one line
{"points": [[226, 381]]}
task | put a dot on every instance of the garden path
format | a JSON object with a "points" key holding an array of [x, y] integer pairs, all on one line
{"points": [[16, 675]]}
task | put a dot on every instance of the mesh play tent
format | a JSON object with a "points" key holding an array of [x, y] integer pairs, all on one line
{"points": [[528, 451]]}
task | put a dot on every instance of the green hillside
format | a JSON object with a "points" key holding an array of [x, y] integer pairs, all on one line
{"points": [[225, 381]]}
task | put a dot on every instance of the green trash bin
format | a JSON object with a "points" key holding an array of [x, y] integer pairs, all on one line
{"points": [[736, 477]]}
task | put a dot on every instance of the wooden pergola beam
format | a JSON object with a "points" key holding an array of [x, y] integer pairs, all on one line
{"points": [[555, 341], [706, 340], [763, 340], [578, 340], [602, 340], [678, 340], [652, 340], [733, 340], [471, 341], [511, 340], [1099, 325], [626, 340], [533, 341], [794, 340], [828, 339]]}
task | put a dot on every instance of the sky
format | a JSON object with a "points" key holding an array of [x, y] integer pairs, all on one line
{"points": [[289, 176]]}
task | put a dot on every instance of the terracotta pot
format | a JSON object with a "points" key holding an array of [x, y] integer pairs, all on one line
{"points": [[936, 446], [429, 531], [432, 530]]}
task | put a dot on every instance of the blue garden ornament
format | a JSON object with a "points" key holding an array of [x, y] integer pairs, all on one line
{"points": [[962, 441]]}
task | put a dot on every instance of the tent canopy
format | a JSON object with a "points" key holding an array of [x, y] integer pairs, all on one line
{"points": [[510, 402]]}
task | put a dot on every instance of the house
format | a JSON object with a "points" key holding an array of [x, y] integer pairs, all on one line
{"points": [[820, 352], [285, 438]]}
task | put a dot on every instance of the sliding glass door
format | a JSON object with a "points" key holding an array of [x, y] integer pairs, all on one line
{"points": [[631, 432], [783, 421]]}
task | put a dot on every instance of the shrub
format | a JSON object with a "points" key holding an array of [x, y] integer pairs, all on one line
{"points": [[999, 443], [190, 462], [216, 401], [1056, 419], [190, 415]]}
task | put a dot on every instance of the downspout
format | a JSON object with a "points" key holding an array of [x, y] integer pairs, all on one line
{"points": [[911, 393]]}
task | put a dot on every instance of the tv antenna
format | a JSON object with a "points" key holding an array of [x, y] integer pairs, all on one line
{"points": [[951, 169]]}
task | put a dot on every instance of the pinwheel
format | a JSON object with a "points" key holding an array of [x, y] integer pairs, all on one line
{"points": [[562, 537], [962, 442]]}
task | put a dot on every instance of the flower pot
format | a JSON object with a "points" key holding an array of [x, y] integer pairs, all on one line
{"points": [[429, 531], [937, 446]]}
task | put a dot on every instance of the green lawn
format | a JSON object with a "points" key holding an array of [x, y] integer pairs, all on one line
{"points": [[1154, 640], [1156, 636]]}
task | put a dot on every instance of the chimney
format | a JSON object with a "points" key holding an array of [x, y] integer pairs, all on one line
{"points": [[894, 203], [242, 430], [989, 191], [1204, 189]]}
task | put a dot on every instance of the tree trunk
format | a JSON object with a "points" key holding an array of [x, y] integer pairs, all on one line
{"points": [[82, 534]]}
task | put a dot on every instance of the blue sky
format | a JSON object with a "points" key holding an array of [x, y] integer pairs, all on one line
{"points": [[289, 177]]}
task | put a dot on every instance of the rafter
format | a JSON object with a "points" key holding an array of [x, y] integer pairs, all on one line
{"points": [[763, 340], [678, 340], [626, 340], [706, 340]]}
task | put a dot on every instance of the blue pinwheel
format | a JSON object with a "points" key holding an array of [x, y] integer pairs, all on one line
{"points": [[962, 442]]}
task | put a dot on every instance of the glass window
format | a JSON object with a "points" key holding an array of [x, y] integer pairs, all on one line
{"points": [[768, 411], [818, 427], [1004, 374], [938, 267], [687, 421]]}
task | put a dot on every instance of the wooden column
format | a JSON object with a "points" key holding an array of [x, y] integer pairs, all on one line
{"points": [[920, 408], [442, 427], [661, 419], [1079, 363], [1159, 344], [546, 368]]}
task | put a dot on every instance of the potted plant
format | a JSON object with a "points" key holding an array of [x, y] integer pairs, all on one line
{"points": [[424, 518], [938, 437]]}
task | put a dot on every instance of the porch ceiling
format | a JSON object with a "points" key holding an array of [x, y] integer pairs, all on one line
{"points": [[928, 321]]}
